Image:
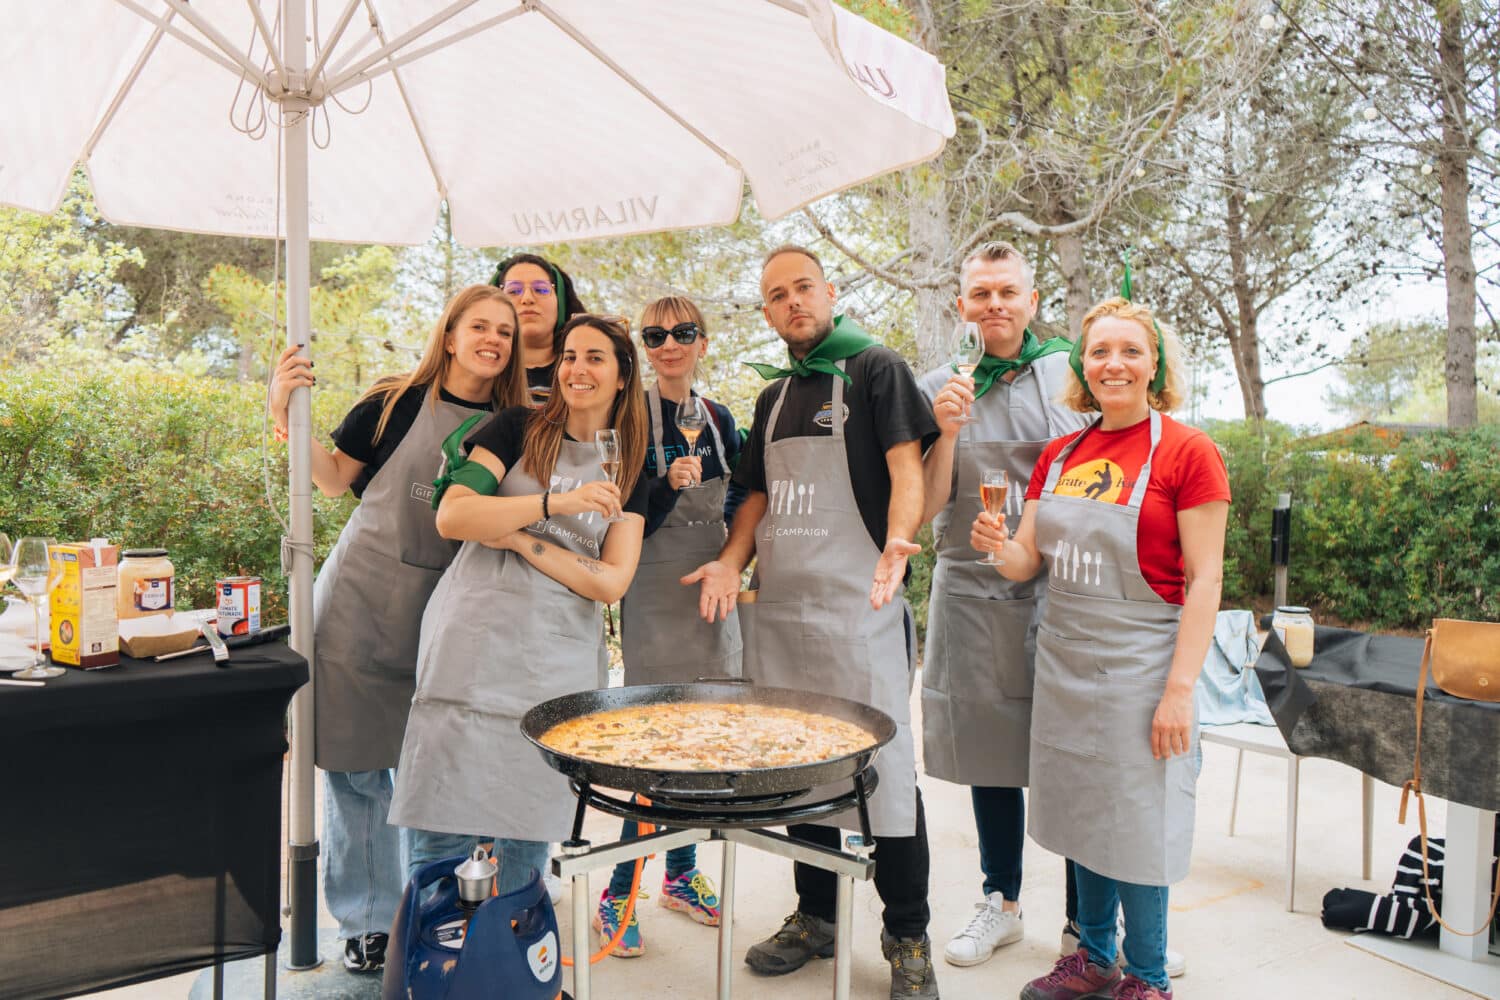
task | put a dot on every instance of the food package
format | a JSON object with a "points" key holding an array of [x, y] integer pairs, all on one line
{"points": [[85, 625], [154, 635]]}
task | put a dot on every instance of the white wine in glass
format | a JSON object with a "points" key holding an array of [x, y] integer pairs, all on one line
{"points": [[994, 485], [692, 418], [34, 576], [607, 444], [968, 351]]}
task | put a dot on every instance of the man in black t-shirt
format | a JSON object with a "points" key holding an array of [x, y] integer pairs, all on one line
{"points": [[840, 431]]}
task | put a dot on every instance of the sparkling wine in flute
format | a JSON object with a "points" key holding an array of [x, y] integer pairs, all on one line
{"points": [[612, 470], [994, 485], [607, 444]]}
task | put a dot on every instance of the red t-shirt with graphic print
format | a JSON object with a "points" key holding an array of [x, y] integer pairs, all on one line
{"points": [[1188, 471]]}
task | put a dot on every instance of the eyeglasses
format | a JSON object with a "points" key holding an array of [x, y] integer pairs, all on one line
{"points": [[684, 333], [540, 287]]}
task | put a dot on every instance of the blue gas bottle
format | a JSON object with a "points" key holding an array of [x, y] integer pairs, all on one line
{"points": [[463, 944]]}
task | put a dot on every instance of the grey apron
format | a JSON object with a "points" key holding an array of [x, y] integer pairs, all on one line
{"points": [[1103, 652], [811, 626], [369, 598], [663, 638], [981, 627], [500, 636]]}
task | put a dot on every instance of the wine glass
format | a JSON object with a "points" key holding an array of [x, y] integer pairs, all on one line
{"points": [[7, 569], [692, 417], [968, 351], [994, 484], [34, 576], [607, 443]]}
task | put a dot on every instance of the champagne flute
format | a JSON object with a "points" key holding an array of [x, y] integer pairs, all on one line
{"points": [[692, 417], [968, 351], [607, 443], [34, 576], [994, 484], [7, 569]]}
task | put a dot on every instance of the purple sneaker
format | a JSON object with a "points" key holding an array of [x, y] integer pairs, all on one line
{"points": [[1074, 977], [1131, 988]]}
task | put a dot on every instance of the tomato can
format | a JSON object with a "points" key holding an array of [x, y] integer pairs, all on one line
{"points": [[239, 605]]}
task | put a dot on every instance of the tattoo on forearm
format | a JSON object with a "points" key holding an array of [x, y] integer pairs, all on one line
{"points": [[591, 565], [537, 548]]}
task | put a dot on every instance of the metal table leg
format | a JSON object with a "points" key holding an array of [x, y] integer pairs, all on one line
{"points": [[581, 936], [726, 920], [843, 938]]}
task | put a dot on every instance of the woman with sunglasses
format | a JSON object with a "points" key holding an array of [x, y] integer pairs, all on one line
{"points": [[373, 586], [545, 300], [663, 639], [515, 619]]}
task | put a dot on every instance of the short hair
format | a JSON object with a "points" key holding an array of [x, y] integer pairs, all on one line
{"points": [[673, 305], [792, 248], [1077, 395], [995, 250]]}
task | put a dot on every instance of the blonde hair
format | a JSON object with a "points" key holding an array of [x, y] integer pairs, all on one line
{"points": [[1077, 395], [433, 367], [544, 426], [673, 305]]}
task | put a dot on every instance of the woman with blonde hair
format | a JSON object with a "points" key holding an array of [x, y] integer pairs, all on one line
{"points": [[1129, 516], [372, 588], [515, 619]]}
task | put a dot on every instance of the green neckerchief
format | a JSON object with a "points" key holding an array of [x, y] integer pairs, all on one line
{"points": [[992, 368], [1075, 355], [458, 469], [845, 341]]}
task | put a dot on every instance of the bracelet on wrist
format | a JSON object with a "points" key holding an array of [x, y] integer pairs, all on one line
{"points": [[546, 514]]}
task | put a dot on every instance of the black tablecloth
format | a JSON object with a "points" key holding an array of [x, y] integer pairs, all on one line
{"points": [[141, 826], [1356, 703]]}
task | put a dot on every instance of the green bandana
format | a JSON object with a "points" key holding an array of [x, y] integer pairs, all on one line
{"points": [[1075, 356], [845, 341], [458, 469], [992, 368]]}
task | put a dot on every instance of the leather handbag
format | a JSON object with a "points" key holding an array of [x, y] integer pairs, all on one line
{"points": [[1464, 657]]}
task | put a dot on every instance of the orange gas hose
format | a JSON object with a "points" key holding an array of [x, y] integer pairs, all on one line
{"points": [[635, 884]]}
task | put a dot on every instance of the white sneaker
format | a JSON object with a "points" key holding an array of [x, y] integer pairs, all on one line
{"points": [[989, 928], [1070, 940], [554, 887]]}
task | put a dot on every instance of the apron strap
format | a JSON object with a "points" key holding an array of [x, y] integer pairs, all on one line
{"points": [[653, 410], [837, 422], [1143, 479]]}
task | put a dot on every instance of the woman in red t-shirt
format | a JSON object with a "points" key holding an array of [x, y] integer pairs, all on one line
{"points": [[1128, 515]]}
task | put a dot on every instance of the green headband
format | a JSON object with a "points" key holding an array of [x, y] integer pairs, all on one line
{"points": [[1159, 380]]}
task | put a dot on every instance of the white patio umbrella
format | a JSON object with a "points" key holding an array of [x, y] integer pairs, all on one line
{"points": [[535, 120]]}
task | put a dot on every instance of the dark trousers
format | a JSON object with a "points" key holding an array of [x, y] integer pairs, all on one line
{"points": [[1000, 820], [1070, 876], [901, 869]]}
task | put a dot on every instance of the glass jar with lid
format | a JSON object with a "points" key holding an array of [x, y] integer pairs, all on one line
{"points": [[1293, 625], [147, 581]]}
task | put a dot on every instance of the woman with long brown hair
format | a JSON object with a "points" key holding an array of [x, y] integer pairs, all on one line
{"points": [[373, 586], [515, 619]]}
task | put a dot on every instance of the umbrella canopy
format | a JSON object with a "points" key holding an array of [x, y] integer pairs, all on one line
{"points": [[536, 121]]}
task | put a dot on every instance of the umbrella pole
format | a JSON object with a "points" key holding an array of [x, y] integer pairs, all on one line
{"points": [[302, 854]]}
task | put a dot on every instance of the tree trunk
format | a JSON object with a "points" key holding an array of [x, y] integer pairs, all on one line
{"points": [[929, 230], [1458, 251], [1078, 295], [1244, 336]]}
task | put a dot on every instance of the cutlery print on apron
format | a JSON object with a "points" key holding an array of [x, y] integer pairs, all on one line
{"points": [[1067, 558], [788, 496]]}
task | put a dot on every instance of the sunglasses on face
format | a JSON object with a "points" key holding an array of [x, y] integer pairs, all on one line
{"points": [[684, 333], [539, 287]]}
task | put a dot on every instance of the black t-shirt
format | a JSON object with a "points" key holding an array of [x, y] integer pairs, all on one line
{"points": [[663, 497], [539, 382], [883, 407], [355, 437], [505, 437]]}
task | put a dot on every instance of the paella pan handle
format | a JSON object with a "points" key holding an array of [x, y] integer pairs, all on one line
{"points": [[723, 679], [683, 794]]}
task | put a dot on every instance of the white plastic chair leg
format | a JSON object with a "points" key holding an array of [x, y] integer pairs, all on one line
{"points": [[1367, 811], [1234, 799], [1292, 773]]}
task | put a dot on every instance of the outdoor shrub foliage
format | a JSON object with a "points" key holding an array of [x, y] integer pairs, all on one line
{"points": [[149, 459], [1386, 535]]}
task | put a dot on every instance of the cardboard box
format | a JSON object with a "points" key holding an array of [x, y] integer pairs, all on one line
{"points": [[85, 620]]}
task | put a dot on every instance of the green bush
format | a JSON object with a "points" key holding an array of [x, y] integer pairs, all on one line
{"points": [[147, 459]]}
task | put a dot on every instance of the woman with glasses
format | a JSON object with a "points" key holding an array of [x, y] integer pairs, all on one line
{"points": [[663, 638], [515, 619], [545, 300], [373, 586]]}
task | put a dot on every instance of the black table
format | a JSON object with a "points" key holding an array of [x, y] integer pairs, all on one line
{"points": [[141, 830], [1356, 703]]}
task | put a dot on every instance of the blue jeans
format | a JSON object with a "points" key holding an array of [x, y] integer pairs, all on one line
{"points": [[1000, 820], [362, 852], [1099, 901], [516, 857], [679, 860]]}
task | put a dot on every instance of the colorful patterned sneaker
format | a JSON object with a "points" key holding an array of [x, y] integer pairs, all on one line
{"points": [[802, 937], [607, 920], [912, 974], [691, 893], [1131, 988], [365, 953], [1074, 977]]}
